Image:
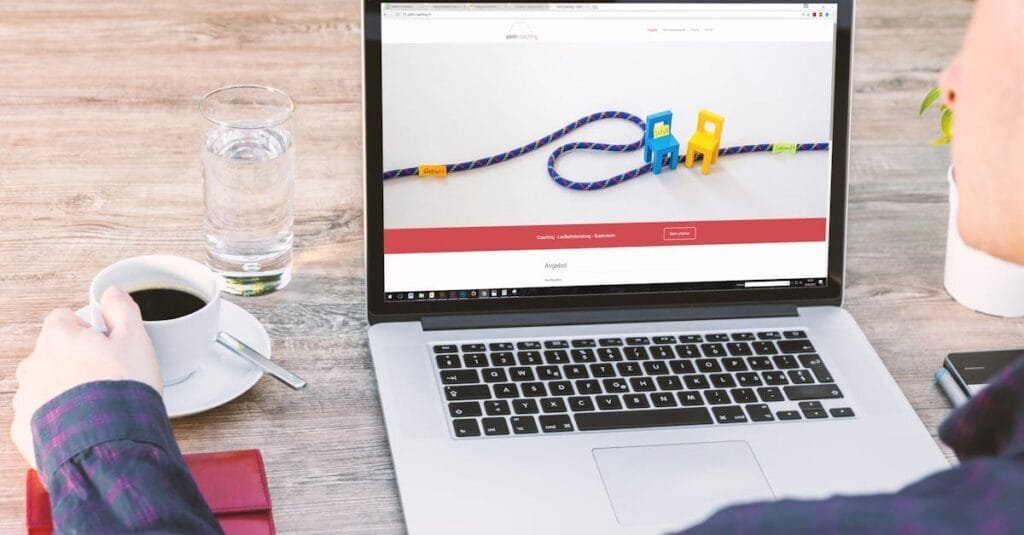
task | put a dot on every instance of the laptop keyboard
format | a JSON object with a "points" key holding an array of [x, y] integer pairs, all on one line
{"points": [[537, 386]]}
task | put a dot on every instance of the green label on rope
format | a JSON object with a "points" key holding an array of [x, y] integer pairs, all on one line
{"points": [[784, 148]]}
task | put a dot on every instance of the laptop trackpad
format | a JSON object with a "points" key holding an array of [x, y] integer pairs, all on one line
{"points": [[679, 484]]}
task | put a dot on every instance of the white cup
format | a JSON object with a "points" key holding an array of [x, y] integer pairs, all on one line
{"points": [[180, 343]]}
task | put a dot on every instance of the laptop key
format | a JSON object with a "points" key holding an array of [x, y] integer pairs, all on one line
{"points": [[521, 374], [642, 384], [581, 404], [609, 354], [669, 383], [475, 360], [800, 377], [689, 398], [448, 361], [525, 406], [662, 352], [575, 371], [556, 344], [713, 350], [556, 423], [722, 380], [770, 394], [501, 346], [459, 377], [813, 362], [529, 358], [759, 363], [600, 421], [464, 409], [690, 338], [527, 345], [764, 348], [826, 391], [732, 414], [661, 399], [687, 351], [609, 342], [794, 334], [548, 373], [696, 382], [812, 409], [664, 339], [523, 425], [466, 427], [602, 370], [682, 367], [636, 401], [608, 403], [760, 413], [795, 346], [503, 358], [552, 405], [586, 342], [494, 375], [637, 341], [785, 362], [769, 335], [739, 349], [717, 397], [636, 353], [446, 348], [748, 379], [718, 337], [655, 367], [841, 412], [628, 369], [588, 386], [560, 388], [460, 393], [496, 408], [743, 337], [556, 356], [789, 415], [584, 356], [733, 364], [473, 348], [708, 365], [534, 390], [774, 378], [614, 386], [743, 395], [506, 390]]}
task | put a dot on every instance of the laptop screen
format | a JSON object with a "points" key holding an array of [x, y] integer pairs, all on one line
{"points": [[568, 149]]}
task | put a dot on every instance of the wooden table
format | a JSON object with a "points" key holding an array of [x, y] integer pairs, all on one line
{"points": [[99, 138]]}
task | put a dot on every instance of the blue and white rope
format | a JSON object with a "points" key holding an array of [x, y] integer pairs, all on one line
{"points": [[586, 145]]}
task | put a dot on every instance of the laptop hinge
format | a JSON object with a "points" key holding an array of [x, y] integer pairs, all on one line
{"points": [[578, 317]]}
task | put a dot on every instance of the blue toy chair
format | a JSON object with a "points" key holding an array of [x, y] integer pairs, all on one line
{"points": [[659, 141]]}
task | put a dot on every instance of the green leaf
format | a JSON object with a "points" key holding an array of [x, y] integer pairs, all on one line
{"points": [[947, 124], [944, 140], [930, 99]]}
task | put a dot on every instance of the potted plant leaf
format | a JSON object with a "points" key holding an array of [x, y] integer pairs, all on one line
{"points": [[974, 278]]}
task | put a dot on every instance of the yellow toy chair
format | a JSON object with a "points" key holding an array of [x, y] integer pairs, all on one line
{"points": [[705, 141]]}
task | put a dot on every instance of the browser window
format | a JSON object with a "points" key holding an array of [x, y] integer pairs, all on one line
{"points": [[546, 149]]}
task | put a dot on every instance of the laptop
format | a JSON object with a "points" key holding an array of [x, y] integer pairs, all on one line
{"points": [[605, 264]]}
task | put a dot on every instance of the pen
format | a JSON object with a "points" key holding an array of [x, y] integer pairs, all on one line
{"points": [[950, 388]]}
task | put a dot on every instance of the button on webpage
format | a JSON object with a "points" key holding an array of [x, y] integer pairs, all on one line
{"points": [[679, 233]]}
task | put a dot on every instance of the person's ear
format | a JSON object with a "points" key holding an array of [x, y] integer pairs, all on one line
{"points": [[949, 81]]}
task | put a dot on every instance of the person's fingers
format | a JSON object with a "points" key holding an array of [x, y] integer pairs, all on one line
{"points": [[120, 313], [62, 318]]}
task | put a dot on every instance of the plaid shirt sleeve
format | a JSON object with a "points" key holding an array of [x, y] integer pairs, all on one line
{"points": [[982, 495], [107, 455]]}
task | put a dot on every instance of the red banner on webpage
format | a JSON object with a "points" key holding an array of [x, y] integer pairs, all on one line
{"points": [[599, 235]]}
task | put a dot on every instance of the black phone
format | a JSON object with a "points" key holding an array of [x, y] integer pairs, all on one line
{"points": [[973, 370]]}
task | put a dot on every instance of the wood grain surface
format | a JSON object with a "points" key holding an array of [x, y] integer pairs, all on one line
{"points": [[99, 138]]}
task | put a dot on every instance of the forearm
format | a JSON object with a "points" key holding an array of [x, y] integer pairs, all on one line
{"points": [[107, 455]]}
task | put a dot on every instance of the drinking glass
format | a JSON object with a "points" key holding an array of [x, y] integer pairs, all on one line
{"points": [[248, 158]]}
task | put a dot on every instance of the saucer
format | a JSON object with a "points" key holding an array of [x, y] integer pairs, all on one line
{"points": [[221, 376]]}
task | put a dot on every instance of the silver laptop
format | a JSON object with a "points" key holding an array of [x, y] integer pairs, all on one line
{"points": [[605, 259]]}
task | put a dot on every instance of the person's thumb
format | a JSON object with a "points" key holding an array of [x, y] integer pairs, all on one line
{"points": [[120, 312]]}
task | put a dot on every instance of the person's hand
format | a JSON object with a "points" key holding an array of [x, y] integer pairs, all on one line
{"points": [[68, 353]]}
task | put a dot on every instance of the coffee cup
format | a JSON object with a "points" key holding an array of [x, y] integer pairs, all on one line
{"points": [[184, 297]]}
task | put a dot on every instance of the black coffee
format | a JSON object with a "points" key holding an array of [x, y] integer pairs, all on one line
{"points": [[159, 304]]}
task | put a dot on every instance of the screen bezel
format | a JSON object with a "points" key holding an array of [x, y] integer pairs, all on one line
{"points": [[379, 309]]}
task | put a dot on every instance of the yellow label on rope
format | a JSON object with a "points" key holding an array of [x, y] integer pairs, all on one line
{"points": [[784, 148], [660, 130], [433, 170]]}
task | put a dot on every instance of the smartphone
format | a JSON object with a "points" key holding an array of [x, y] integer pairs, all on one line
{"points": [[973, 370]]}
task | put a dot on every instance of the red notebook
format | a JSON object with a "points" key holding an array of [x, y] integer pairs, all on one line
{"points": [[234, 484]]}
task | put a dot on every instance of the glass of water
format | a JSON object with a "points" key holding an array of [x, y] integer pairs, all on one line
{"points": [[248, 181]]}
